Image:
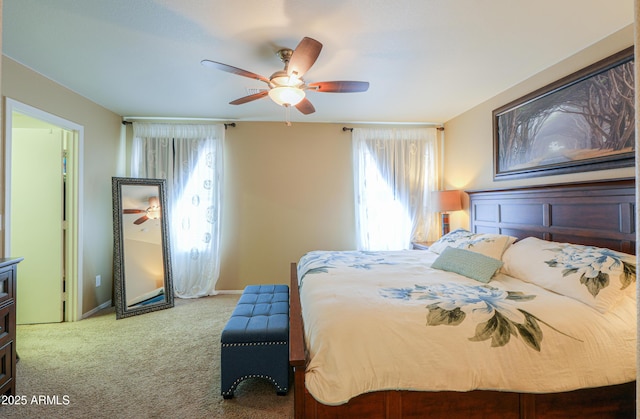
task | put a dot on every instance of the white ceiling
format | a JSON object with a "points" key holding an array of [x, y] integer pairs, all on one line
{"points": [[426, 60]]}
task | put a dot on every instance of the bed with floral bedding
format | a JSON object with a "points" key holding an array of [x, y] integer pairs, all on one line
{"points": [[488, 317]]}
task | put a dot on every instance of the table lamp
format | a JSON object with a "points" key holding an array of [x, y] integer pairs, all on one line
{"points": [[445, 202]]}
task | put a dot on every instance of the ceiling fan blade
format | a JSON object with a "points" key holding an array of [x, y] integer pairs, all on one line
{"points": [[234, 70], [132, 211], [303, 57], [305, 106], [250, 98], [141, 220], [340, 86]]}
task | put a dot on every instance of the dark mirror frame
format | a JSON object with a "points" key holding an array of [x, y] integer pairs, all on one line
{"points": [[119, 277]]}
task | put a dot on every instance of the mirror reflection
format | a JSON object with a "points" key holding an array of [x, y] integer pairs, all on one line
{"points": [[142, 271]]}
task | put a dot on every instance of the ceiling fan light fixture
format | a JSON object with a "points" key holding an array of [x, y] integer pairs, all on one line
{"points": [[286, 96], [283, 79], [287, 87], [153, 212]]}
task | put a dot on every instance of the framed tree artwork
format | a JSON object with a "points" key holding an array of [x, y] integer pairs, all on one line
{"points": [[583, 122]]}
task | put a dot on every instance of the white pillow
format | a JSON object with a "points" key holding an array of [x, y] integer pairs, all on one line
{"points": [[488, 244], [596, 276]]}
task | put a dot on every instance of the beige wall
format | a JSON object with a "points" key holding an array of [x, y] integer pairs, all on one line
{"points": [[101, 139], [468, 162], [288, 190]]}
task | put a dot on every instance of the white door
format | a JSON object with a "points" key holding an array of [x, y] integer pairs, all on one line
{"points": [[37, 188], [20, 115]]}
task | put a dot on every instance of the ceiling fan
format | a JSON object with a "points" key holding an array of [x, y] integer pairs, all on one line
{"points": [[287, 87], [151, 213]]}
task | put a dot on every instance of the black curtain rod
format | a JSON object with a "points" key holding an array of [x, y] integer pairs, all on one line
{"points": [[351, 129], [232, 124]]}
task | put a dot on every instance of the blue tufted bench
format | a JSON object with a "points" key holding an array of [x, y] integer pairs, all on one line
{"points": [[255, 340]]}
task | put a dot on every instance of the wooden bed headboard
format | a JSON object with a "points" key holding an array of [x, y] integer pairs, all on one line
{"points": [[596, 213]]}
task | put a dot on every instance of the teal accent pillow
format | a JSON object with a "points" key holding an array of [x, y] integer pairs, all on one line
{"points": [[465, 262]]}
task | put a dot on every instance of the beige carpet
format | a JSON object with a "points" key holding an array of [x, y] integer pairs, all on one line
{"points": [[164, 364]]}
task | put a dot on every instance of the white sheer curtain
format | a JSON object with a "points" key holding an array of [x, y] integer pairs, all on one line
{"points": [[190, 157], [395, 171]]}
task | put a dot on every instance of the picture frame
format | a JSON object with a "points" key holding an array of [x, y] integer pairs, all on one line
{"points": [[582, 122]]}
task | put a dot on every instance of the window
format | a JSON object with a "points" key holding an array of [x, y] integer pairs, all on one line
{"points": [[395, 171], [190, 158]]}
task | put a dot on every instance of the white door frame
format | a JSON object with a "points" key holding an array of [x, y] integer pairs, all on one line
{"points": [[73, 261]]}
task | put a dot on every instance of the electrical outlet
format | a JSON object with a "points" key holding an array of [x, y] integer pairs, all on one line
{"points": [[98, 280]]}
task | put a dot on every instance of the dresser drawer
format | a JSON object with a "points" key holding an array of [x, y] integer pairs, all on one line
{"points": [[7, 324], [7, 368], [7, 286]]}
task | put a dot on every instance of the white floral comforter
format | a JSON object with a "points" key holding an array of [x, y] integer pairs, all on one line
{"points": [[387, 321]]}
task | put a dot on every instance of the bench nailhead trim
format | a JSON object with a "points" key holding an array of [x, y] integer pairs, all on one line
{"points": [[226, 345], [235, 383]]}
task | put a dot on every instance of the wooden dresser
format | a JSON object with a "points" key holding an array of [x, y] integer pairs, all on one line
{"points": [[8, 278]]}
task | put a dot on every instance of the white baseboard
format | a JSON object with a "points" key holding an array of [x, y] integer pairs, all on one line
{"points": [[95, 310], [229, 292]]}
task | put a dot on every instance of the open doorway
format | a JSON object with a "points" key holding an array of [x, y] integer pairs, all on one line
{"points": [[43, 217]]}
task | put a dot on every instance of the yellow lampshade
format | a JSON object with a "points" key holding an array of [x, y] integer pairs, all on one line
{"points": [[286, 96]]}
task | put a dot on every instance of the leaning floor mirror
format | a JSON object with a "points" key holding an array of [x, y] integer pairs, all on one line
{"points": [[142, 262]]}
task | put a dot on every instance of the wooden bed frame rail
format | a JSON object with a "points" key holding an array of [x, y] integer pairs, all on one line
{"points": [[297, 351], [606, 216]]}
